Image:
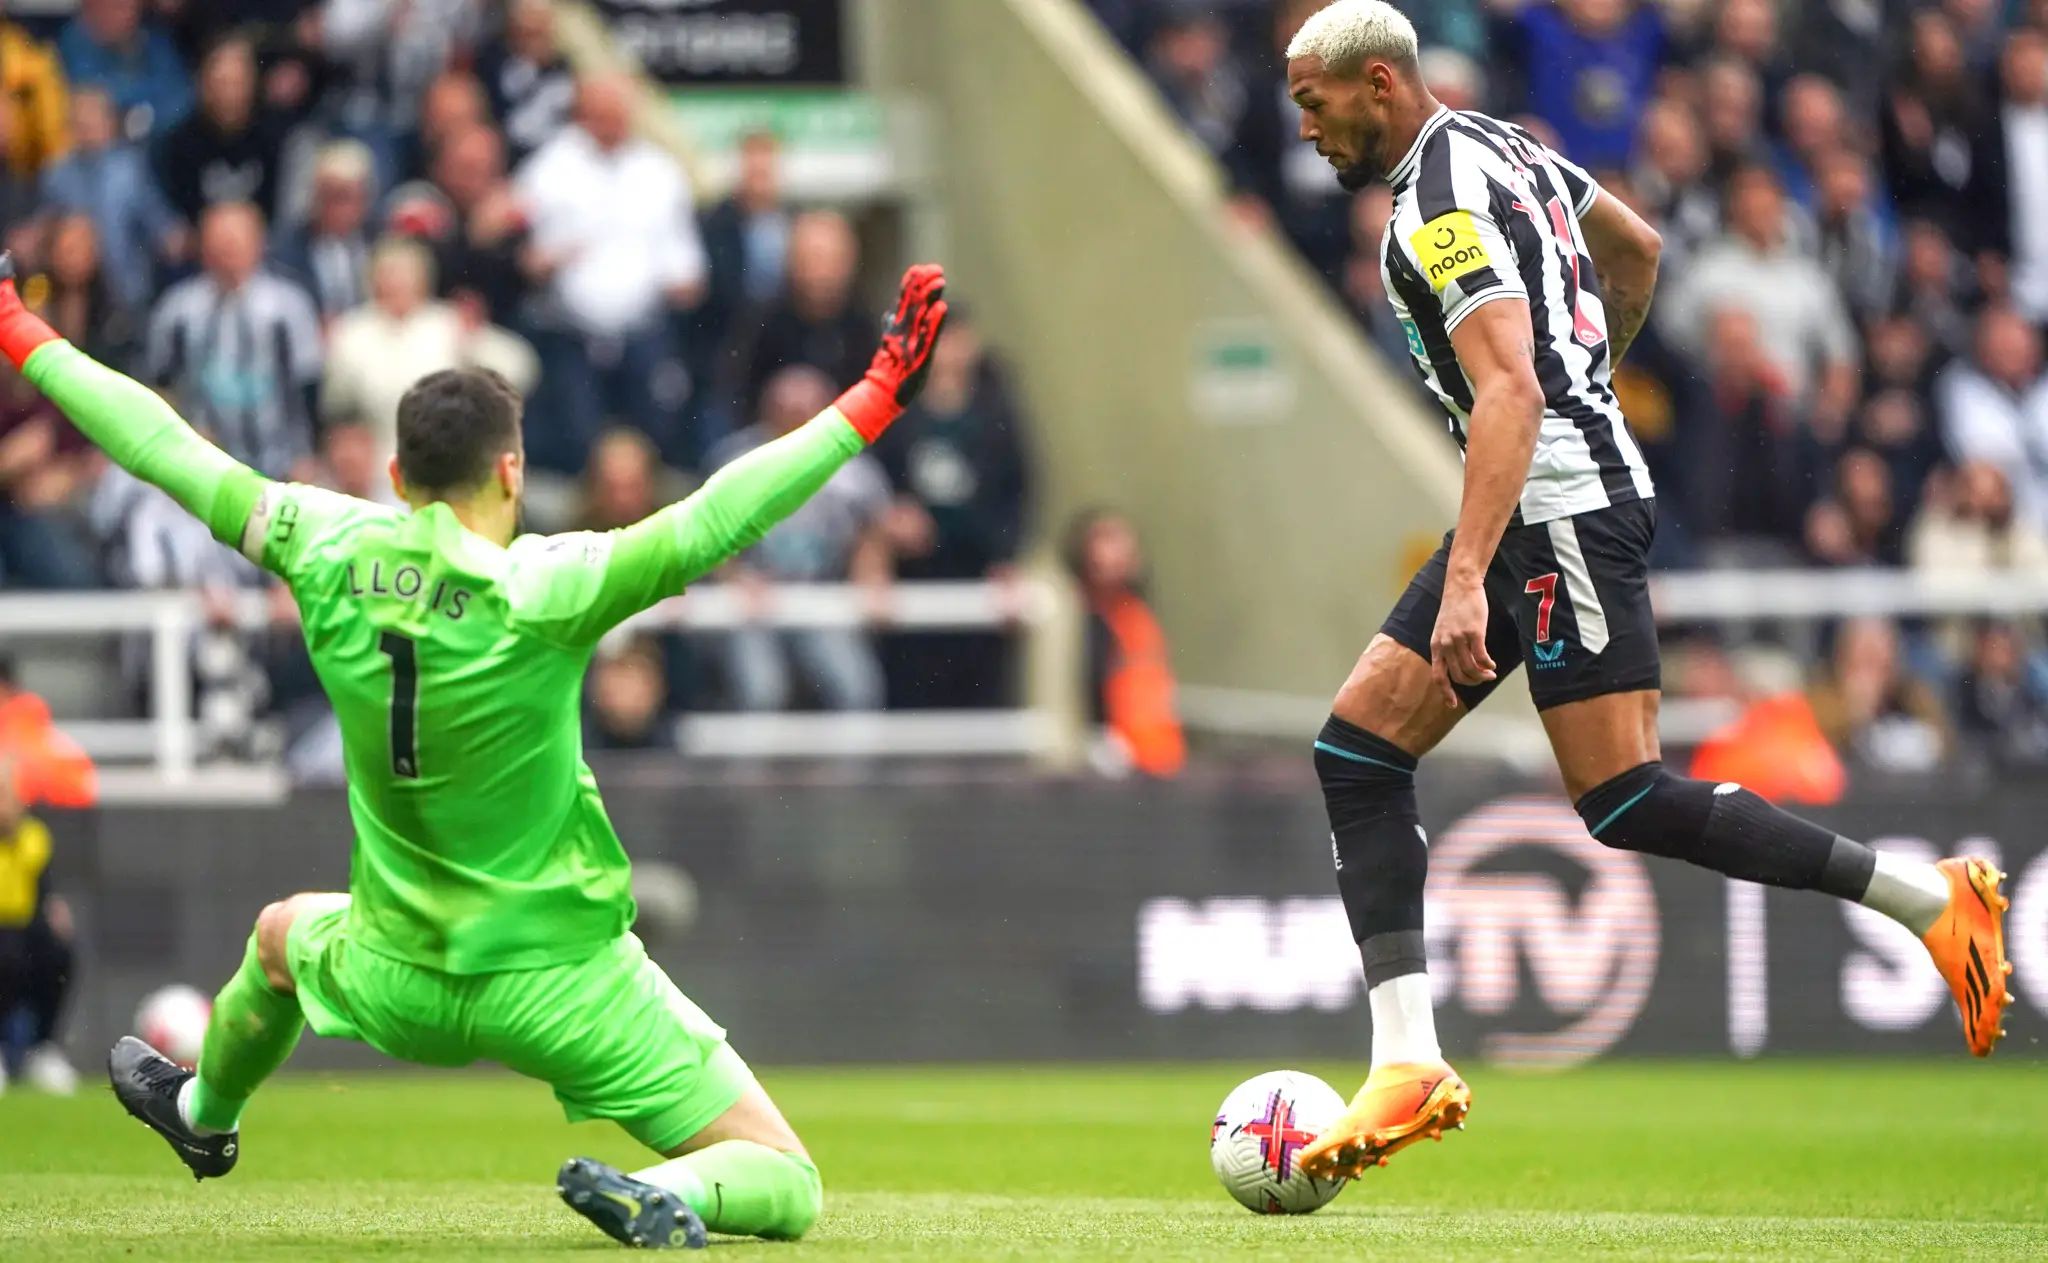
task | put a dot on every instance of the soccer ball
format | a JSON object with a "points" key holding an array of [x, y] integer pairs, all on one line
{"points": [[1261, 1129], [172, 1020]]}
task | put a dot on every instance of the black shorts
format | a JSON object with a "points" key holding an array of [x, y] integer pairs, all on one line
{"points": [[1569, 598]]}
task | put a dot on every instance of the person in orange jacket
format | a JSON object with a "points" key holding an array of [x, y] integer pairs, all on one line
{"points": [[1130, 676], [50, 770]]}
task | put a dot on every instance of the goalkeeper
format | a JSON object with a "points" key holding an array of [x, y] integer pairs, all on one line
{"points": [[488, 910]]}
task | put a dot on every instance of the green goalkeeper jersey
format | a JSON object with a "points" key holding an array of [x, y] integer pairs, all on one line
{"points": [[456, 668]]}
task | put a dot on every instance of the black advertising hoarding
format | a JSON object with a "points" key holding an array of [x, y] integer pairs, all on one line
{"points": [[681, 42], [1123, 921]]}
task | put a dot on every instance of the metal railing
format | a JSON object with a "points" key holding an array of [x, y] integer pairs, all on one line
{"points": [[166, 738]]}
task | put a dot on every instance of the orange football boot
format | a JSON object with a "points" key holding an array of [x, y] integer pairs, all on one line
{"points": [[1399, 1105], [1967, 942]]}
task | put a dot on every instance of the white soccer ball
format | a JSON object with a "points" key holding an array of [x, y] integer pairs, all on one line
{"points": [[172, 1020], [1261, 1129]]}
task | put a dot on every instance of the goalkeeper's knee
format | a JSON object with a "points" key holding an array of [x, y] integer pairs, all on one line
{"points": [[806, 1201]]}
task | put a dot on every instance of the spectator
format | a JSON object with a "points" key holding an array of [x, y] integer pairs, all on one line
{"points": [[1189, 60], [628, 695], [1670, 174], [32, 85], [1844, 40], [1898, 426], [2020, 154], [1859, 524], [393, 52], [225, 150], [1855, 241], [531, 87], [44, 465], [331, 255], [1933, 286], [1801, 325], [836, 536], [240, 347], [1878, 716], [1967, 525], [1275, 173], [2001, 700], [1130, 678], [626, 481], [21, 199], [454, 103], [1901, 356], [1454, 79], [48, 768], [1814, 126], [963, 481], [1748, 458], [352, 463], [1747, 30], [1935, 138], [1994, 409], [746, 241], [35, 944], [616, 245], [1589, 67], [111, 181], [1732, 113], [1980, 27], [815, 322], [81, 303], [1774, 745], [108, 46], [1365, 284], [379, 350], [480, 248]]}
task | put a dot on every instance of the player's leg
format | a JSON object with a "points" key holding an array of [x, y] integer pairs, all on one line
{"points": [[618, 1040], [256, 1023], [1388, 714], [1599, 707], [746, 1173]]}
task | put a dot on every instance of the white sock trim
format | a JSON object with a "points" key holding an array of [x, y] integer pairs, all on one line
{"points": [[1908, 891], [1403, 1021]]}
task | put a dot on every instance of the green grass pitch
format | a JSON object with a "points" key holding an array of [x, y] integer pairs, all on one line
{"points": [[1638, 1161]]}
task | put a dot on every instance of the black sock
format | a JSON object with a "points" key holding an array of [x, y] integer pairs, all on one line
{"points": [[1725, 828], [1382, 857]]}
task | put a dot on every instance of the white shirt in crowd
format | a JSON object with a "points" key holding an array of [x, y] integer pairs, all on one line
{"points": [[373, 358], [2026, 159], [1982, 420], [623, 224], [1801, 322]]}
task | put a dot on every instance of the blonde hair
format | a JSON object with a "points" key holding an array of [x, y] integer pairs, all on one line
{"points": [[1348, 33]]}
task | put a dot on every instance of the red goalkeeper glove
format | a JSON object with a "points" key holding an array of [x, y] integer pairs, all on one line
{"points": [[21, 330], [898, 370]]}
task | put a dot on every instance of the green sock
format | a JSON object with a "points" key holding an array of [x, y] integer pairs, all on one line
{"points": [[253, 1029], [744, 1189]]}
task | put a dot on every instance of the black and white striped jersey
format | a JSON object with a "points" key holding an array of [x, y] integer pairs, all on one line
{"points": [[1482, 211]]}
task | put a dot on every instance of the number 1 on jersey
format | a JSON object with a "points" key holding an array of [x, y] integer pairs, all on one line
{"points": [[405, 703]]}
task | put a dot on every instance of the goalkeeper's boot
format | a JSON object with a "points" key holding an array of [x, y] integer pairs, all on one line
{"points": [[1967, 942], [629, 1211], [148, 1083], [1400, 1104]]}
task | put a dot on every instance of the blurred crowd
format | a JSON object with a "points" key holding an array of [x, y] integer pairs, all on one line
{"points": [[283, 212], [1844, 367]]}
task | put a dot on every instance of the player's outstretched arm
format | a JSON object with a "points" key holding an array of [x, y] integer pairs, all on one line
{"points": [[740, 503], [1625, 254], [129, 421]]}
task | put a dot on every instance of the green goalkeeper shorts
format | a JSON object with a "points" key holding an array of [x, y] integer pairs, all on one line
{"points": [[611, 1034]]}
